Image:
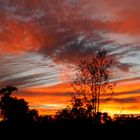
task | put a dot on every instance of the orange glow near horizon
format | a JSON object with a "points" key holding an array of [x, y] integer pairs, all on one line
{"points": [[49, 100]]}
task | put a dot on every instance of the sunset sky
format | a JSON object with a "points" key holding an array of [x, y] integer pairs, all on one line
{"points": [[41, 41]]}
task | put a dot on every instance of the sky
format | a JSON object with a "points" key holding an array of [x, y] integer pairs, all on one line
{"points": [[42, 41]]}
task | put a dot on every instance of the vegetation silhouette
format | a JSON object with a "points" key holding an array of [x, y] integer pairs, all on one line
{"points": [[93, 81], [81, 119], [15, 112]]}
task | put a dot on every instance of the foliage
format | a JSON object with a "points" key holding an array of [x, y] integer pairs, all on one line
{"points": [[93, 81], [15, 110]]}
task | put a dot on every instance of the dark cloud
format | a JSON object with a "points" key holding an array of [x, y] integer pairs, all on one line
{"points": [[122, 100], [44, 94], [54, 27], [53, 31], [129, 92]]}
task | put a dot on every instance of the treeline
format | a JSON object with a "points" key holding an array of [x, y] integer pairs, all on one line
{"points": [[18, 119]]}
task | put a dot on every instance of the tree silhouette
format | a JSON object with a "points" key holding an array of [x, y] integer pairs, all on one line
{"points": [[15, 111], [76, 112], [93, 81], [7, 91]]}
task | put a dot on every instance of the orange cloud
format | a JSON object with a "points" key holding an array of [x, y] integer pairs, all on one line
{"points": [[128, 85], [59, 88], [49, 100]]}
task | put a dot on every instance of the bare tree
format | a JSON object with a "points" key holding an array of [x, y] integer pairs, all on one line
{"points": [[93, 81]]}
